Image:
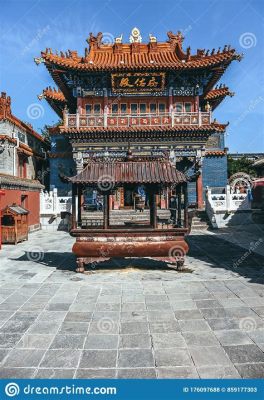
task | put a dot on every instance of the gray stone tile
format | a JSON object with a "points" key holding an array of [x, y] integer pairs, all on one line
{"points": [[251, 371], [17, 373], [259, 311], [177, 373], [44, 327], [208, 304], [114, 299], [213, 355], [164, 306], [24, 358], [172, 358], [242, 354], [139, 341], [33, 306], [82, 307], [35, 341], [65, 358], [101, 342], [192, 325], [75, 328], [51, 373], [167, 340], [133, 316], [106, 315], [223, 323], [240, 312], [136, 373], [3, 354], [212, 313], [107, 307], [135, 358], [133, 327], [257, 335], [188, 314], [52, 316], [160, 316], [78, 317], [218, 372], [15, 326], [200, 339], [138, 298], [58, 306], [156, 298], [133, 307], [104, 327], [184, 305], [9, 340], [234, 337], [98, 359], [68, 342], [95, 373], [164, 327]]}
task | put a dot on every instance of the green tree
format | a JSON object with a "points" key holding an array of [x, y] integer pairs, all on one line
{"points": [[240, 165]]}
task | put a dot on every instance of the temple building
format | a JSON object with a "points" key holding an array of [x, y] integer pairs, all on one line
{"points": [[23, 163], [154, 98]]}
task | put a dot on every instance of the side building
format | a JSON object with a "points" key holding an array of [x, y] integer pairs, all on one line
{"points": [[155, 98], [23, 163]]}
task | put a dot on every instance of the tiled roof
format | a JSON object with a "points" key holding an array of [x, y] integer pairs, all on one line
{"points": [[167, 55], [213, 127], [52, 94], [6, 114], [110, 173], [164, 58], [218, 92]]}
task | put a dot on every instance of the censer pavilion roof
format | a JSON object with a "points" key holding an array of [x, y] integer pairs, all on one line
{"points": [[147, 172]]}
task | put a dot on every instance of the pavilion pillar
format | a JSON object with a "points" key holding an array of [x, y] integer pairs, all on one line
{"points": [[179, 205], [199, 191], [79, 194], [106, 211], [74, 192], [153, 209], [185, 194]]}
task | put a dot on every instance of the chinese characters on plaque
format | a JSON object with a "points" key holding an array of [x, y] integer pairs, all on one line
{"points": [[138, 82]]}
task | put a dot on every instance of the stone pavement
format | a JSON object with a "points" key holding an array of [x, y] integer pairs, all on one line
{"points": [[138, 319]]}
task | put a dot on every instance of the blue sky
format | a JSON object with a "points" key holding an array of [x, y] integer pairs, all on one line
{"points": [[29, 26]]}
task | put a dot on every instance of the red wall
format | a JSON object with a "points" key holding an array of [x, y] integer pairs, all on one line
{"points": [[31, 203]]}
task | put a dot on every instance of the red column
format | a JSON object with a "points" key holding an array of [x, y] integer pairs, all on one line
{"points": [[2, 193], [199, 191]]}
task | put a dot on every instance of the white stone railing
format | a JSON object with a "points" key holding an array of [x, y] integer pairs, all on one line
{"points": [[106, 120], [221, 206], [51, 203]]}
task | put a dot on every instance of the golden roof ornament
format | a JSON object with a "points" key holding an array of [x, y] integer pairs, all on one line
{"points": [[152, 38], [135, 36], [118, 40]]}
